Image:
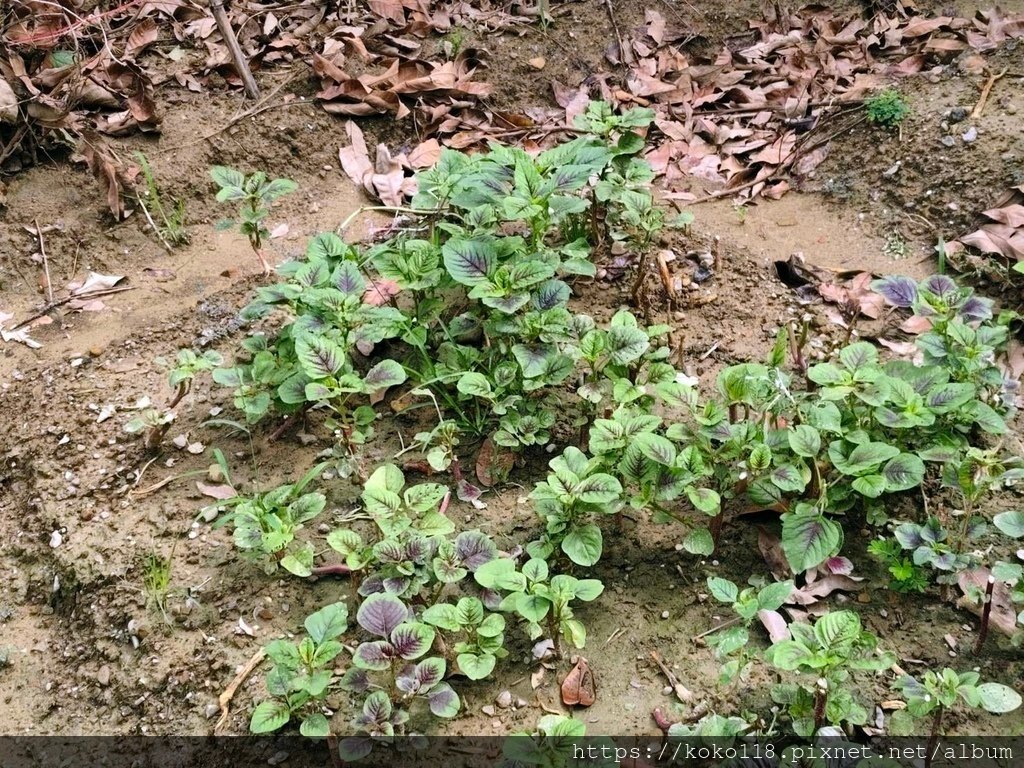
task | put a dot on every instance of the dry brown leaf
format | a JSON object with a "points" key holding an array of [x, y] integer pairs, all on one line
{"points": [[493, 463], [221, 491], [1003, 616], [776, 625], [578, 689]]}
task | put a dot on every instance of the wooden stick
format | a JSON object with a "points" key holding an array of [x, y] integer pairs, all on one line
{"points": [[625, 55], [61, 302], [46, 265], [224, 700], [985, 91], [219, 15]]}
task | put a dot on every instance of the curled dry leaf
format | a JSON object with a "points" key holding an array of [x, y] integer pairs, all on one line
{"points": [[493, 463], [771, 550], [776, 625], [578, 688]]}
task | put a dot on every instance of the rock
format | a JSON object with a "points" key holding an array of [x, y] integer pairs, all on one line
{"points": [[306, 439], [95, 351], [504, 699], [103, 675], [277, 758], [948, 141], [488, 709], [215, 474], [211, 710], [664, 614], [56, 539], [957, 115], [538, 62], [970, 134]]}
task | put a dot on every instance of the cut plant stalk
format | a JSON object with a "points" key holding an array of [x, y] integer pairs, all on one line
{"points": [[986, 613]]}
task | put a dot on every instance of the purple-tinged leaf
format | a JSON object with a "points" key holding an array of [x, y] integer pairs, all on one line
{"points": [[355, 680], [380, 614], [354, 748], [976, 309], [389, 551], [395, 585], [940, 285], [377, 707], [430, 672], [469, 261], [551, 294], [371, 585], [412, 640], [470, 493], [839, 565], [909, 536], [375, 655], [348, 280], [444, 702], [474, 548], [898, 290]]}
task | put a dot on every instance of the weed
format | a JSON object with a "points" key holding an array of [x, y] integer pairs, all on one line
{"points": [[887, 108], [830, 650], [173, 231], [254, 194], [156, 581]]}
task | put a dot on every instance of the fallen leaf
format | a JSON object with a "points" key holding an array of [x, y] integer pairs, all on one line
{"points": [[776, 625], [771, 550], [578, 687], [94, 282], [221, 491], [1003, 615], [493, 463]]}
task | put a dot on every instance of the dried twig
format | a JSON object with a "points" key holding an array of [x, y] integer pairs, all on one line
{"points": [[61, 302], [46, 264], [221, 17], [683, 693], [224, 700], [985, 91], [625, 54]]}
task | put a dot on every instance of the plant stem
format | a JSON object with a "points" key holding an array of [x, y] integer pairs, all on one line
{"points": [[820, 701], [933, 738], [986, 613]]}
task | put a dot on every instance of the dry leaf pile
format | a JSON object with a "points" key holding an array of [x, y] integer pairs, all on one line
{"points": [[751, 114], [1003, 234]]}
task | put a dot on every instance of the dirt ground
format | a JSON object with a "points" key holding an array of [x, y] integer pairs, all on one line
{"points": [[82, 505]]}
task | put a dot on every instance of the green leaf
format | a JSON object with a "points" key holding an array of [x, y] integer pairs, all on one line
{"points": [[723, 590], [626, 344], [699, 542], [787, 654], [227, 177], [269, 716], [476, 385], [858, 355], [469, 262], [704, 499], [327, 623], [805, 441], [476, 666], [1010, 523], [809, 539], [788, 478], [903, 472], [315, 726], [583, 544], [871, 486], [772, 597], [443, 615], [588, 589], [998, 698]]}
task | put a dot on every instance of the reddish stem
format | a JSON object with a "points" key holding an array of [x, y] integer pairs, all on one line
{"points": [[661, 720], [986, 612], [335, 569]]}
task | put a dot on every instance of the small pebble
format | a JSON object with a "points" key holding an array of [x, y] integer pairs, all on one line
{"points": [[970, 135], [504, 699], [948, 141], [664, 614], [488, 709]]}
